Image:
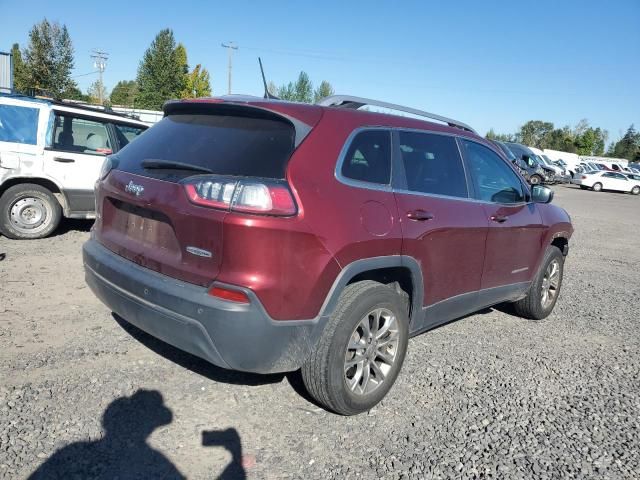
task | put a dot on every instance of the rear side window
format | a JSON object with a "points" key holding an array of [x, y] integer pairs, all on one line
{"points": [[18, 124], [432, 164], [127, 133], [226, 145], [79, 135], [493, 179], [368, 158]]}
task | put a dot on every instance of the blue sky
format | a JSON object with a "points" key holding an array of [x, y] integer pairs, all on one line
{"points": [[490, 64]]}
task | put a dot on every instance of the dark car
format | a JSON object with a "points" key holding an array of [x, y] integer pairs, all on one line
{"points": [[527, 169], [268, 236], [543, 173]]}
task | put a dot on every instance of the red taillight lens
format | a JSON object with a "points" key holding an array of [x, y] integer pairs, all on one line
{"points": [[584, 177], [237, 296], [266, 197]]}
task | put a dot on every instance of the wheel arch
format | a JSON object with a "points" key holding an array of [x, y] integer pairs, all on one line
{"points": [[47, 183], [401, 269]]}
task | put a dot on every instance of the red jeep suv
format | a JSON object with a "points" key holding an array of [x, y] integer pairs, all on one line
{"points": [[269, 236]]}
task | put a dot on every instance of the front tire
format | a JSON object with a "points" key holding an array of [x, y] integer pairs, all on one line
{"points": [[535, 180], [28, 211], [635, 190], [361, 351], [545, 288]]}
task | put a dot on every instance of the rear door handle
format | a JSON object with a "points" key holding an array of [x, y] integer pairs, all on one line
{"points": [[63, 160], [419, 215], [499, 218]]}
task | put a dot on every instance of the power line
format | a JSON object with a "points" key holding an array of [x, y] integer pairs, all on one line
{"points": [[230, 46]]}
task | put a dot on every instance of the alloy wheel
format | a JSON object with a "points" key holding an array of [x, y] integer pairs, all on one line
{"points": [[372, 351], [550, 284]]}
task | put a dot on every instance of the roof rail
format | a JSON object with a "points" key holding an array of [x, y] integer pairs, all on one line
{"points": [[348, 101]]}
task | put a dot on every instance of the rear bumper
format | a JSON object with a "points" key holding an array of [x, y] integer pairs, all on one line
{"points": [[227, 334]]}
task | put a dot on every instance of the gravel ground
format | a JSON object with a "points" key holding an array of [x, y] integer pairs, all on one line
{"points": [[489, 396]]}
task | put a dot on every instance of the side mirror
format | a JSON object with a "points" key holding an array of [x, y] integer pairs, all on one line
{"points": [[541, 194]]}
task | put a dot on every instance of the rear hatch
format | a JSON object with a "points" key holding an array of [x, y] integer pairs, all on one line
{"points": [[145, 211]]}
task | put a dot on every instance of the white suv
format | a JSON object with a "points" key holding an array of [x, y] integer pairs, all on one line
{"points": [[51, 154]]}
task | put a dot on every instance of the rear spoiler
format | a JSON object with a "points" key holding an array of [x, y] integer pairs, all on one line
{"points": [[173, 107]]}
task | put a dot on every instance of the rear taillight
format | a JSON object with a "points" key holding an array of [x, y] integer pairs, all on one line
{"points": [[266, 197], [584, 177]]}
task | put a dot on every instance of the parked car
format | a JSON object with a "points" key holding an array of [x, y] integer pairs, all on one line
{"points": [[547, 162], [523, 167], [268, 236], [606, 180], [571, 160], [542, 174], [50, 156]]}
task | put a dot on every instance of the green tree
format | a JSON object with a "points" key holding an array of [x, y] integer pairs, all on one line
{"points": [[628, 146], [181, 58], [500, 137], [197, 83], [562, 139], [590, 141], [124, 93], [161, 73], [324, 90], [534, 133], [20, 83], [303, 88], [48, 59], [287, 92]]}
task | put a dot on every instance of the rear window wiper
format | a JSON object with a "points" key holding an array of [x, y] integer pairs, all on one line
{"points": [[171, 165]]}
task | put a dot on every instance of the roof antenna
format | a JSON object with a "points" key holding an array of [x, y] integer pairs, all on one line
{"points": [[267, 94]]}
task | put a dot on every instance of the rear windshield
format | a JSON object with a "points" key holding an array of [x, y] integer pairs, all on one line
{"points": [[227, 145]]}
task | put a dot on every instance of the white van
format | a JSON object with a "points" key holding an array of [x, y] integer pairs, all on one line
{"points": [[571, 160], [51, 154]]}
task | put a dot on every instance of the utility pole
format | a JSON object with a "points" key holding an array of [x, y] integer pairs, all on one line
{"points": [[100, 62], [230, 46]]}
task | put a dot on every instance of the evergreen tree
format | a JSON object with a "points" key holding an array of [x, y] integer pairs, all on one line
{"points": [[324, 90], [124, 93], [20, 84], [628, 146], [303, 88], [161, 73], [287, 92], [49, 59]]}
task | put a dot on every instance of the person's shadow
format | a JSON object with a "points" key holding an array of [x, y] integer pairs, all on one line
{"points": [[123, 452]]}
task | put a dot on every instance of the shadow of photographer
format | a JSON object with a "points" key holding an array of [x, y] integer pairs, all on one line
{"points": [[123, 452]]}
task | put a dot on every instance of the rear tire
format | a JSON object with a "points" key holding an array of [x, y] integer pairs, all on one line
{"points": [[360, 353], [635, 190], [28, 211], [597, 187], [545, 288]]}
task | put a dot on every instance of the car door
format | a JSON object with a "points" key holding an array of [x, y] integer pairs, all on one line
{"points": [[515, 224], [75, 151], [615, 181], [442, 228]]}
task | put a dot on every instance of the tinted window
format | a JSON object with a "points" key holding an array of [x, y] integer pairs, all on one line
{"points": [[369, 157], [432, 164], [227, 145], [78, 135], [506, 151], [18, 124], [493, 179], [127, 133]]}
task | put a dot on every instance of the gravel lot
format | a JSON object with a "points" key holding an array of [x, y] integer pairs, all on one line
{"points": [[489, 396]]}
